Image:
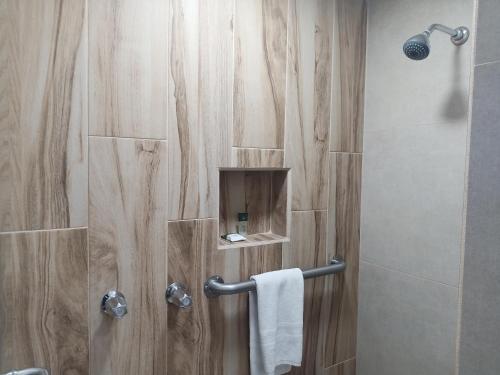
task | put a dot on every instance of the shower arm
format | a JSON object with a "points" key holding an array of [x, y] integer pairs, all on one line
{"points": [[458, 36], [444, 29]]}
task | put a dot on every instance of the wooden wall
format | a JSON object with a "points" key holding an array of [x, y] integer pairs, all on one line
{"points": [[114, 119]]}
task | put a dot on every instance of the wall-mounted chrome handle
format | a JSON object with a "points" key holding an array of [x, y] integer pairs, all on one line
{"points": [[29, 371], [177, 294], [114, 304]]}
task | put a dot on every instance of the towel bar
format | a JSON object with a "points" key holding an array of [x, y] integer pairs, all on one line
{"points": [[215, 286], [28, 371]]}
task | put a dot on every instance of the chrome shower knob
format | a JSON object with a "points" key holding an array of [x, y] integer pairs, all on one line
{"points": [[177, 294], [114, 304]]}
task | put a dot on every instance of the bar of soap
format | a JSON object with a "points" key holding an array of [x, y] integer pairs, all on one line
{"points": [[235, 237]]}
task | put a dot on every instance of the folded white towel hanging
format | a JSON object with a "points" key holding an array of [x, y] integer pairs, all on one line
{"points": [[276, 322]]}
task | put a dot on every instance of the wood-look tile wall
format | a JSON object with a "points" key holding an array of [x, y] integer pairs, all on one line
{"points": [[341, 300], [260, 44], [308, 107], [128, 50], [127, 241], [43, 186], [307, 249], [43, 115], [43, 314], [348, 81], [176, 90]]}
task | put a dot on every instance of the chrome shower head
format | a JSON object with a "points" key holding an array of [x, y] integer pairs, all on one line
{"points": [[418, 47]]}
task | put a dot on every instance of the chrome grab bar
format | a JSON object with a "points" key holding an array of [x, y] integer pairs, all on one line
{"points": [[215, 286], [29, 371]]}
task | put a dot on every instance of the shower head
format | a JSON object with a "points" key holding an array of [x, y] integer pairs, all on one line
{"points": [[418, 47]]}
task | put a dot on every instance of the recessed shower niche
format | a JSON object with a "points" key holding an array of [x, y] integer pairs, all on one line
{"points": [[261, 193]]}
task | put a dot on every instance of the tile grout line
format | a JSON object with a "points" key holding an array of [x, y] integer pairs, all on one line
{"points": [[192, 219], [392, 126], [215, 218], [312, 210], [408, 274], [42, 230], [345, 152], [340, 363], [128, 138], [258, 148], [487, 63]]}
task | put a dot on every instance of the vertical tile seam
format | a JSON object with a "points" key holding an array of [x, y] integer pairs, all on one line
{"points": [[166, 228], [285, 136], [286, 248], [364, 58], [365, 76], [472, 72], [89, 328], [330, 127], [230, 140], [328, 180]]}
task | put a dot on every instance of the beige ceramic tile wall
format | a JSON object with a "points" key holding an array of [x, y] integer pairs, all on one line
{"points": [[414, 166], [176, 90]]}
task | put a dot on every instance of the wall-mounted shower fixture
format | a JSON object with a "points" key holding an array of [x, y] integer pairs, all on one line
{"points": [[418, 47], [114, 304]]}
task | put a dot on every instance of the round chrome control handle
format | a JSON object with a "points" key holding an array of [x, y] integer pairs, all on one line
{"points": [[177, 294], [114, 304]]}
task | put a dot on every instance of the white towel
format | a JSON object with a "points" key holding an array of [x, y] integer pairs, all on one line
{"points": [[276, 321]]}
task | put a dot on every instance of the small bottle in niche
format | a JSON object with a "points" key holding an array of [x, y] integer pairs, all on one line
{"points": [[242, 223]]}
